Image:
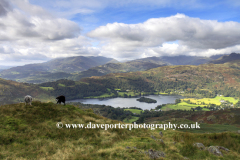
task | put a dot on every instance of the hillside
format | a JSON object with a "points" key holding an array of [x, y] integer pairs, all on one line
{"points": [[13, 92], [185, 60], [131, 66], [188, 60], [46, 77], [154, 60], [205, 80], [226, 58], [40, 70], [30, 132]]}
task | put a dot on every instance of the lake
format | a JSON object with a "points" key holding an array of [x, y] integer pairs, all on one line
{"points": [[131, 102]]}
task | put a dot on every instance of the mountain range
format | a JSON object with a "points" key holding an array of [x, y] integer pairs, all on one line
{"points": [[75, 68], [226, 58], [57, 67]]}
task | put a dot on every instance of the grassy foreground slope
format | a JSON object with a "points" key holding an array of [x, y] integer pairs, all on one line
{"points": [[30, 132]]}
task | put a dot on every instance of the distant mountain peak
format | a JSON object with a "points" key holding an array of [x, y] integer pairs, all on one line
{"points": [[226, 58]]}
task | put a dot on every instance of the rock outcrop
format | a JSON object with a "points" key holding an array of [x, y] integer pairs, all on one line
{"points": [[160, 133], [199, 145], [154, 154], [214, 150]]}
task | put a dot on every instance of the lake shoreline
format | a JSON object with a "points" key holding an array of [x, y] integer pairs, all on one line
{"points": [[135, 96], [131, 102]]}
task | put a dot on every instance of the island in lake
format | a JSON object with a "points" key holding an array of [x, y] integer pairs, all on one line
{"points": [[147, 100]]}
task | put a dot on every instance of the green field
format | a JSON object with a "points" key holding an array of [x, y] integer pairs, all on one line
{"points": [[133, 119], [230, 99], [199, 102], [182, 106], [215, 100], [127, 93], [105, 95], [137, 111], [15, 72], [205, 109], [161, 93], [62, 85], [47, 88]]}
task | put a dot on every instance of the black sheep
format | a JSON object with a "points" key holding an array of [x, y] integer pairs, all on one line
{"points": [[60, 99]]}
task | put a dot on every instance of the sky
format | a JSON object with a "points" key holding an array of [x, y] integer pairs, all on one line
{"points": [[35, 31]]}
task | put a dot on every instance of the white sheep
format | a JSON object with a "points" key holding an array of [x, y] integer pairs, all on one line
{"points": [[28, 99]]}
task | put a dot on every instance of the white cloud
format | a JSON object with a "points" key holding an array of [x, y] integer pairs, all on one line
{"points": [[177, 49], [27, 51], [29, 34], [193, 34], [26, 22]]}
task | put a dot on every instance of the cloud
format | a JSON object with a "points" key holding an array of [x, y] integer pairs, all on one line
{"points": [[191, 33], [176, 49], [27, 51], [29, 21], [29, 34], [4, 7]]}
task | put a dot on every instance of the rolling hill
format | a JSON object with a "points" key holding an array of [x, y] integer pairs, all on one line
{"points": [[202, 78]]}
